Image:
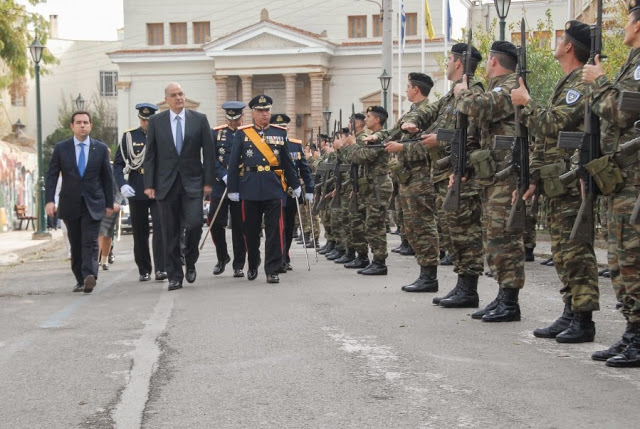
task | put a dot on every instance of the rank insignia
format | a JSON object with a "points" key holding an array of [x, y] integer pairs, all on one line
{"points": [[221, 151], [572, 96], [276, 152], [249, 153], [636, 73]]}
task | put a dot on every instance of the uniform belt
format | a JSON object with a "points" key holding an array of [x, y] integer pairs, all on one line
{"points": [[262, 168]]}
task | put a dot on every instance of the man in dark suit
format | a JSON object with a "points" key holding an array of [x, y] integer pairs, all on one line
{"points": [[223, 139], [85, 198], [267, 170], [179, 167]]}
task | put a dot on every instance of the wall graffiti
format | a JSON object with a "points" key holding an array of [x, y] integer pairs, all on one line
{"points": [[17, 182]]}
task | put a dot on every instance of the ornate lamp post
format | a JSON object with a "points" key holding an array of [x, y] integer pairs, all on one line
{"points": [[502, 9], [36, 48], [385, 81], [326, 114], [79, 102]]}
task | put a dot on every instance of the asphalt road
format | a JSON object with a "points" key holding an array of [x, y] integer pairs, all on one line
{"points": [[323, 349]]}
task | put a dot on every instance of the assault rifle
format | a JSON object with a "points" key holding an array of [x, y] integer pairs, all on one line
{"points": [[458, 140], [353, 171], [588, 144], [321, 202], [519, 162]]}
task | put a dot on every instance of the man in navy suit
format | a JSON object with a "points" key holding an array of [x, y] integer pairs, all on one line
{"points": [[223, 138], [86, 196], [179, 168], [266, 172]]}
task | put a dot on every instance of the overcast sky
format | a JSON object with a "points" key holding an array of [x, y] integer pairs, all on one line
{"points": [[83, 19]]}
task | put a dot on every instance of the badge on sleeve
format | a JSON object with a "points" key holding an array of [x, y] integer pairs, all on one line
{"points": [[636, 74], [497, 89], [572, 96]]}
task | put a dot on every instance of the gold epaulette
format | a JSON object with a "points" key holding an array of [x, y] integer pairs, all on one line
{"points": [[279, 126], [132, 129], [296, 141], [220, 127], [244, 127]]}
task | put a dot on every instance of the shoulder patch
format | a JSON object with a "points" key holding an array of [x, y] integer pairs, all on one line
{"points": [[244, 127], [497, 89], [636, 73], [220, 127], [296, 141], [572, 96], [278, 126]]}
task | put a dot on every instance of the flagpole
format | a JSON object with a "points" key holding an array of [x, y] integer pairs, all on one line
{"points": [[445, 30], [400, 49], [422, 28]]}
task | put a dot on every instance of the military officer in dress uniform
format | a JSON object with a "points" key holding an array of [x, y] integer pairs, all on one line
{"points": [[128, 160], [296, 151], [260, 171], [223, 139]]}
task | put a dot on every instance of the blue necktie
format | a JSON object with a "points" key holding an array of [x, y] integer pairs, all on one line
{"points": [[81, 160], [178, 134]]}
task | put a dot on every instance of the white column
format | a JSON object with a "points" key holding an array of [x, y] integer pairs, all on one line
{"points": [[221, 97], [317, 105], [290, 101], [247, 88]]}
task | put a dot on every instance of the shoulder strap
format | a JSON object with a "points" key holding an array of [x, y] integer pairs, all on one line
{"points": [[266, 151]]}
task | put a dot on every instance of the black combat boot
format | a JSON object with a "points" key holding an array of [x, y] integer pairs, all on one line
{"points": [[403, 245], [427, 282], [307, 238], [407, 251], [361, 262], [508, 309], [630, 356], [348, 256], [328, 247], [547, 261], [414, 282], [528, 254], [618, 347], [558, 326], [446, 260], [377, 268], [490, 307], [310, 244], [467, 295], [337, 253], [581, 330], [452, 292]]}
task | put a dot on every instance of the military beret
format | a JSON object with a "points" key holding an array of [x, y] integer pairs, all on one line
{"points": [[324, 137], [506, 48], [233, 109], [145, 110], [261, 102], [421, 77], [579, 32], [378, 109], [279, 118], [461, 48], [345, 130], [634, 5], [359, 117]]}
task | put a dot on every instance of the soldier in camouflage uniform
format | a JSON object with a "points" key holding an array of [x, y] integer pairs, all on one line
{"points": [[416, 192], [624, 237], [338, 226], [375, 190], [465, 229], [575, 262], [325, 215], [494, 113], [313, 157]]}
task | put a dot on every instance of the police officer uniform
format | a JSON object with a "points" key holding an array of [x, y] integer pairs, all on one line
{"points": [[128, 160], [223, 139], [296, 152], [260, 171]]}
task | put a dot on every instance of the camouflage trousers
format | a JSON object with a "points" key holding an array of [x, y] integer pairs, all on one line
{"points": [[357, 221], [376, 200], [305, 211], [530, 223], [395, 210], [442, 217], [624, 252], [345, 216], [419, 207], [338, 226], [604, 215], [504, 249], [575, 263], [465, 232], [325, 218]]}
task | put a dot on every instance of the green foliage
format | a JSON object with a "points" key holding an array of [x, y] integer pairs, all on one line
{"points": [[16, 27], [613, 37]]}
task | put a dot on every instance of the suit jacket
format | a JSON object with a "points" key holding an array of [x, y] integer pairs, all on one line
{"points": [[195, 162], [95, 187]]}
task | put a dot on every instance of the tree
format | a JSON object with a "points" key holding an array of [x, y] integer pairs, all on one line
{"points": [[16, 34]]}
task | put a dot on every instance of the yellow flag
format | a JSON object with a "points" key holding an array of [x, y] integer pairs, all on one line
{"points": [[427, 22]]}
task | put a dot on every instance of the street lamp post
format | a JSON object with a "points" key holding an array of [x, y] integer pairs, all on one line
{"points": [[385, 81], [79, 102], [502, 9], [326, 114], [36, 49]]}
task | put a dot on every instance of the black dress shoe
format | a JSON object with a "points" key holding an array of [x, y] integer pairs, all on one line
{"points": [[283, 268], [111, 259], [238, 273], [144, 277], [190, 275], [252, 274], [219, 268], [273, 278], [288, 266], [89, 283], [79, 287], [161, 275], [105, 267], [174, 284]]}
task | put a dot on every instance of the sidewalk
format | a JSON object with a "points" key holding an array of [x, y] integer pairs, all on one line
{"points": [[15, 245]]}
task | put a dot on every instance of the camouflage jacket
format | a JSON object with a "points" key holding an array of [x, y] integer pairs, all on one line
{"points": [[493, 111], [375, 161], [397, 134], [566, 113], [616, 125], [441, 114]]}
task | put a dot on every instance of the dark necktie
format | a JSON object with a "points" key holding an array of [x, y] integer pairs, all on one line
{"points": [[178, 134]]}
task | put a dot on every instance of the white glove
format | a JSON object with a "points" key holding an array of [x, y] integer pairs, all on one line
{"points": [[309, 197], [297, 192], [224, 179], [234, 196], [127, 191]]}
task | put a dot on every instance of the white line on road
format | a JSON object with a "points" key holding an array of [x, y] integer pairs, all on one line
{"points": [[128, 412]]}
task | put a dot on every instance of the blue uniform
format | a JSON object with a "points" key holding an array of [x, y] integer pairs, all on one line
{"points": [[136, 181], [223, 139]]}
